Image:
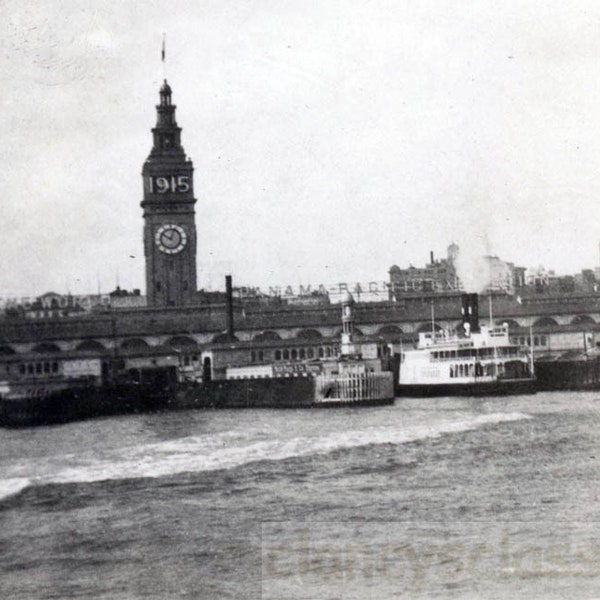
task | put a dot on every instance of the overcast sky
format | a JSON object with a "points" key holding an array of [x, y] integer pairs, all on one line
{"points": [[330, 139]]}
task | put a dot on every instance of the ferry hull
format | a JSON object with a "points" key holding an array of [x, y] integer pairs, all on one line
{"points": [[76, 404], [89, 402], [245, 393], [577, 374], [295, 392], [488, 388]]}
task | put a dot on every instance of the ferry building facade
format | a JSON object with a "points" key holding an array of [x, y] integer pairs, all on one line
{"points": [[176, 318]]}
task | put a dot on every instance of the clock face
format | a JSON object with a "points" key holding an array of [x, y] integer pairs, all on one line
{"points": [[170, 239]]}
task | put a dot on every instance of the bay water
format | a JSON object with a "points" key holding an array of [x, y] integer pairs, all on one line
{"points": [[428, 498]]}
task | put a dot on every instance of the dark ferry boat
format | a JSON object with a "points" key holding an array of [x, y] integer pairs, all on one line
{"points": [[40, 389], [357, 376]]}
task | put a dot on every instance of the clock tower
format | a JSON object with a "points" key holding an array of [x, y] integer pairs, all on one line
{"points": [[169, 225]]}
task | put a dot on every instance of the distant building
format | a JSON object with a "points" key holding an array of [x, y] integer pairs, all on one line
{"points": [[586, 280], [312, 299], [540, 277], [438, 276], [124, 299], [545, 281], [53, 306], [519, 276], [445, 275], [501, 275]]}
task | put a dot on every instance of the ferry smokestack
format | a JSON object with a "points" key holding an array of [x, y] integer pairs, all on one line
{"points": [[229, 294], [431, 257], [470, 312]]}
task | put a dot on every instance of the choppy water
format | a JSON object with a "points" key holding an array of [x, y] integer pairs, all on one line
{"points": [[430, 498]]}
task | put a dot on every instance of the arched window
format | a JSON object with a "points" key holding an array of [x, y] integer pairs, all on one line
{"points": [[90, 346], [582, 320], [309, 334], [135, 344], [267, 336], [277, 354], [545, 322]]}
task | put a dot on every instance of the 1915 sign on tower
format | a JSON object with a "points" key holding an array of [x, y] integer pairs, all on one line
{"points": [[169, 225]]}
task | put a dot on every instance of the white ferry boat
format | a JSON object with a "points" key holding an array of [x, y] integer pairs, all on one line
{"points": [[481, 361]]}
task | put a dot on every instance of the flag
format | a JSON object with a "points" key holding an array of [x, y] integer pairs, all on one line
{"points": [[162, 52]]}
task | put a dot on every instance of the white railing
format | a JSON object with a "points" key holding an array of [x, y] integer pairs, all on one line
{"points": [[355, 388]]}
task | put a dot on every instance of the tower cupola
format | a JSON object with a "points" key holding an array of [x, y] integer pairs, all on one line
{"points": [[165, 93], [166, 134]]}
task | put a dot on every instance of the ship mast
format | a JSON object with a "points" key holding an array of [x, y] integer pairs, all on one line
{"points": [[531, 351]]}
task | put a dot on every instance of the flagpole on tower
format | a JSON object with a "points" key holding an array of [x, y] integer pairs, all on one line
{"points": [[163, 56]]}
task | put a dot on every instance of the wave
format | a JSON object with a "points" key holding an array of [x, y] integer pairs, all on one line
{"points": [[226, 450], [13, 486]]}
